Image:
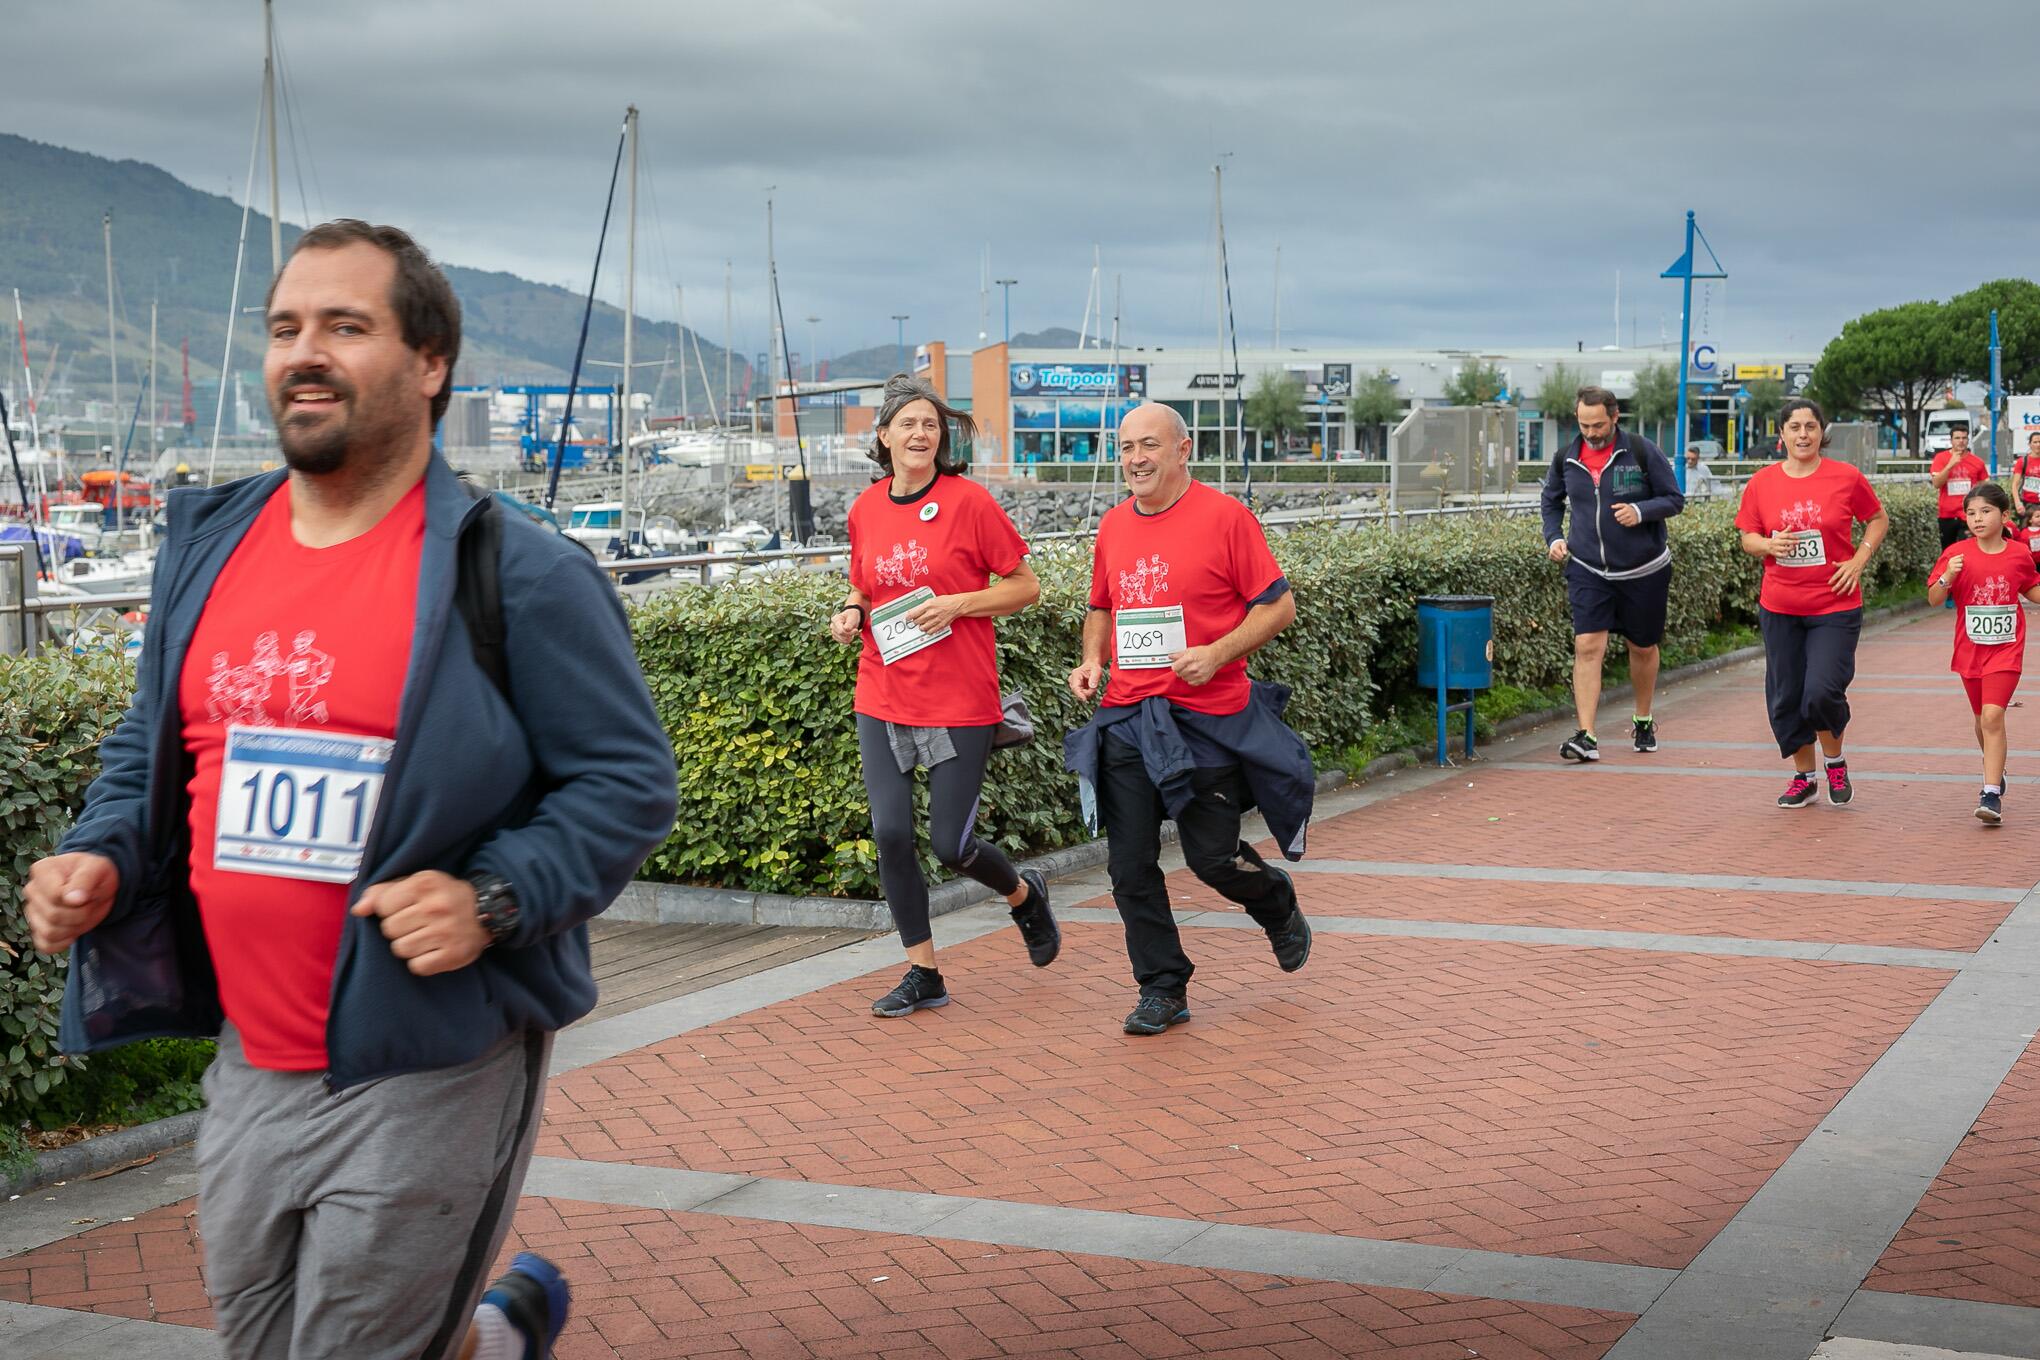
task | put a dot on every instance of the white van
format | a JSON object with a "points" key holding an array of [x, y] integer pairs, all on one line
{"points": [[1939, 424]]}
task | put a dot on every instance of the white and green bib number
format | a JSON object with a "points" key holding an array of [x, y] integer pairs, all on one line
{"points": [[2030, 486], [1990, 625], [1145, 639], [297, 804], [1804, 548], [1958, 486], [896, 634]]}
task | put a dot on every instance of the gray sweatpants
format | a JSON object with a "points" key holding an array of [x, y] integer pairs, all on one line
{"points": [[361, 1222]]}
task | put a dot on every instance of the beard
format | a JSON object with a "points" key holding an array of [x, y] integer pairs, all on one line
{"points": [[317, 446]]}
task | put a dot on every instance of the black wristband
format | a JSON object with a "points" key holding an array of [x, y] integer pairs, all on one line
{"points": [[863, 614]]}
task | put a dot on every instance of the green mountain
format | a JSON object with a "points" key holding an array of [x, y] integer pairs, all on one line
{"points": [[176, 244]]}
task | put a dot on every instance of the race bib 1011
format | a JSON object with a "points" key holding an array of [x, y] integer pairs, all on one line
{"points": [[896, 634], [297, 804], [1990, 625], [1145, 639], [1804, 548]]}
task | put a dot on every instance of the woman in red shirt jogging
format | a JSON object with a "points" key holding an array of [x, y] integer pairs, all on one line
{"points": [[2026, 475], [925, 543], [1796, 516], [1987, 575]]}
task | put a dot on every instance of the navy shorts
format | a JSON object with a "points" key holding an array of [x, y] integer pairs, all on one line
{"points": [[1634, 608]]}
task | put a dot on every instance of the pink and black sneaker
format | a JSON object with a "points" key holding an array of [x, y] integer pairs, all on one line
{"points": [[1838, 788], [1801, 792]]}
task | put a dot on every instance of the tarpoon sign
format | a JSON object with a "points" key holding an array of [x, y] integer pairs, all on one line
{"points": [[1078, 380]]}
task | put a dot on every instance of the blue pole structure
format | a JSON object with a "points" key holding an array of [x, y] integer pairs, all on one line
{"points": [[1996, 389], [1006, 292], [1682, 269]]}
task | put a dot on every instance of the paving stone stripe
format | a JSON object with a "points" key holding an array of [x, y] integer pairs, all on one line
{"points": [[1888, 955], [1742, 772], [1142, 1237], [1509, 873], [28, 1332], [1666, 744], [1779, 1273], [1958, 1325]]}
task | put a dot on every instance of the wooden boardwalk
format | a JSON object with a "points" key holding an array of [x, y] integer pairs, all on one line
{"points": [[637, 963]]}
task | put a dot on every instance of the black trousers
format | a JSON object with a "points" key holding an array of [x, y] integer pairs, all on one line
{"points": [[1953, 531], [953, 788], [1809, 660], [1209, 830]]}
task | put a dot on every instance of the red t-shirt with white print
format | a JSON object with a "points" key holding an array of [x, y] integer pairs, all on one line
{"points": [[1207, 556], [1823, 506], [952, 538], [293, 639], [1989, 582]]}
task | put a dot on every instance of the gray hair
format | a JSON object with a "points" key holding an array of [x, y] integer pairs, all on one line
{"points": [[903, 390]]}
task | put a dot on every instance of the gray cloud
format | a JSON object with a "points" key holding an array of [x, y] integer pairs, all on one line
{"points": [[1463, 174]]}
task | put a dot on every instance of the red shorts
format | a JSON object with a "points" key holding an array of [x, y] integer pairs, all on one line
{"points": [[1995, 688]]}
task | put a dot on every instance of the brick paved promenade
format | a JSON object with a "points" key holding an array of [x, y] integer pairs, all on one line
{"points": [[1619, 1062]]}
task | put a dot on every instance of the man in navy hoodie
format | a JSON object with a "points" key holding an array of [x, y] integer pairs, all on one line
{"points": [[332, 833], [1618, 567]]}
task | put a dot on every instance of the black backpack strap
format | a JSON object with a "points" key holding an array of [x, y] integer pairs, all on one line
{"points": [[478, 589]]}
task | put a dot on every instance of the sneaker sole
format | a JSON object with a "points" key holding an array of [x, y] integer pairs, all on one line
{"points": [[1143, 1032], [930, 1004], [1809, 802], [1586, 758], [1989, 818]]}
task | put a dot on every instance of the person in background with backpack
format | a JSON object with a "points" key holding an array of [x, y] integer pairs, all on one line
{"points": [[2026, 476], [925, 545], [369, 872], [1618, 563]]}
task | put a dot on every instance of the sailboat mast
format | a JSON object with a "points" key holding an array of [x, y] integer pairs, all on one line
{"points": [[1218, 306], [630, 121], [1278, 296], [112, 354], [729, 338], [269, 121], [154, 410]]}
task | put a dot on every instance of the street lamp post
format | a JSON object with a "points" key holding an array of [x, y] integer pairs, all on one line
{"points": [[900, 342], [1006, 292]]}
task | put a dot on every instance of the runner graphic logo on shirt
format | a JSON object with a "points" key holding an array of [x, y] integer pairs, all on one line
{"points": [[1146, 583], [240, 694], [905, 564], [1992, 590], [1805, 515]]}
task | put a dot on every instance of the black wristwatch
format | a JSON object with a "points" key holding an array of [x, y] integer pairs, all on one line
{"points": [[495, 905]]}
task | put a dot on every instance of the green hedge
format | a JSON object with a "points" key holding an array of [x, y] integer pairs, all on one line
{"points": [[759, 700], [53, 711]]}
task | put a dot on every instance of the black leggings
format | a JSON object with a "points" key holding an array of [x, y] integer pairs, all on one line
{"points": [[953, 788], [1809, 660]]}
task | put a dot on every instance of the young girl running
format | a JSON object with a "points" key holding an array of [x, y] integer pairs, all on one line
{"points": [[1987, 575]]}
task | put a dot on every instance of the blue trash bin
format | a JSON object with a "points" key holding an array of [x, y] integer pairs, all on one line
{"points": [[1455, 650]]}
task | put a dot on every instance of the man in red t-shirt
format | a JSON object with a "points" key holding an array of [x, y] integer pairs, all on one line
{"points": [[1955, 470], [374, 876], [1183, 591]]}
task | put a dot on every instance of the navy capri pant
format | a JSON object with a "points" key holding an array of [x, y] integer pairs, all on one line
{"points": [[1809, 660]]}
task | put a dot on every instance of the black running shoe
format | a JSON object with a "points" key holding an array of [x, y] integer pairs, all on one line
{"points": [[1990, 808], [1801, 792], [919, 990], [1291, 939], [1037, 923], [1580, 746], [1646, 734], [1155, 1013], [534, 1296], [1838, 787]]}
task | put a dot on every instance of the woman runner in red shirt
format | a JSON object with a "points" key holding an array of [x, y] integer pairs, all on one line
{"points": [[1987, 575], [925, 542], [1796, 516]]}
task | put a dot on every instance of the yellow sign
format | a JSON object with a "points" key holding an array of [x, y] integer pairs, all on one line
{"points": [[761, 472], [1753, 372]]}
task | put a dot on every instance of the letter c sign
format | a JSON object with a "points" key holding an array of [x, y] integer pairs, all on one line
{"points": [[1703, 358]]}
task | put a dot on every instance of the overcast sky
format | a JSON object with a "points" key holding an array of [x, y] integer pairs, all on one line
{"points": [[1468, 174]]}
